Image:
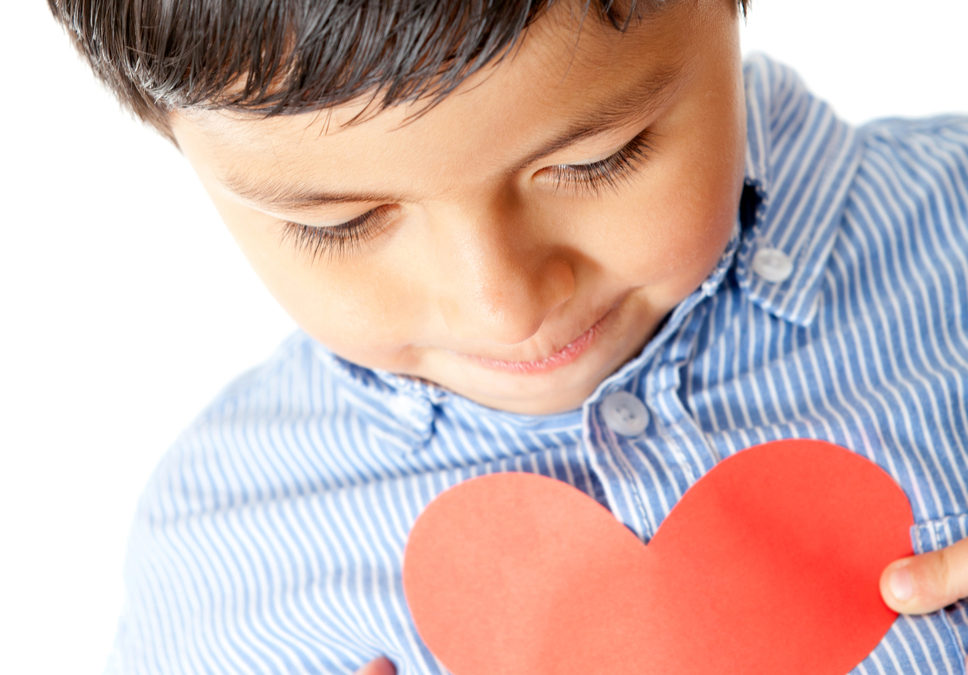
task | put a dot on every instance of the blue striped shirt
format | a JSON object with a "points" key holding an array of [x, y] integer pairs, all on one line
{"points": [[270, 538]]}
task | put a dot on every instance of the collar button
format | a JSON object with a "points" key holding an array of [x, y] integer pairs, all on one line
{"points": [[772, 265], [624, 413]]}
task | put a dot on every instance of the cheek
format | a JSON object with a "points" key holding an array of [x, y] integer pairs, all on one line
{"points": [[691, 193], [670, 234], [353, 309], [669, 228], [355, 312], [694, 204]]}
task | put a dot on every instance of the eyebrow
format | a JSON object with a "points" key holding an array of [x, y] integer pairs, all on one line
{"points": [[640, 100]]}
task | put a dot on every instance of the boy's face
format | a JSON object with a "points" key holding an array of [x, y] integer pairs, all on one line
{"points": [[521, 243]]}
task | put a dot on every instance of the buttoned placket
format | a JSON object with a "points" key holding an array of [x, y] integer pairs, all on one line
{"points": [[648, 450], [642, 444]]}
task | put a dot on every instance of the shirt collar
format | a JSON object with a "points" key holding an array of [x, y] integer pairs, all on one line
{"points": [[402, 410], [800, 159]]}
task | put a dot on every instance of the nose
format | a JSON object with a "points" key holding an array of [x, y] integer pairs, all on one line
{"points": [[501, 275]]}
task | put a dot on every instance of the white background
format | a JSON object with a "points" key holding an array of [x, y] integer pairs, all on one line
{"points": [[125, 306]]}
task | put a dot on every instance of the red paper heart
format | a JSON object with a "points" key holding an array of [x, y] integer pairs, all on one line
{"points": [[769, 564]]}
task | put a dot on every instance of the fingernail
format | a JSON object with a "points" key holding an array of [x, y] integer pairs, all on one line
{"points": [[901, 584]]}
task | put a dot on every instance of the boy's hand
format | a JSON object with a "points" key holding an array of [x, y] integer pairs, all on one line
{"points": [[927, 582], [380, 666]]}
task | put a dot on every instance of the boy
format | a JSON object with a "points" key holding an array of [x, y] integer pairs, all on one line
{"points": [[575, 240]]}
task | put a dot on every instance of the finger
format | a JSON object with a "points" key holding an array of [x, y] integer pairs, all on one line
{"points": [[380, 666], [927, 582]]}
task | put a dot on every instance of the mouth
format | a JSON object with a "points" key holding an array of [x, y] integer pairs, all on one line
{"points": [[567, 354]]}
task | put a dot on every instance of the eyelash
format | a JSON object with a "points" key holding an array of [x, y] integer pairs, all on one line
{"points": [[606, 173], [337, 240]]}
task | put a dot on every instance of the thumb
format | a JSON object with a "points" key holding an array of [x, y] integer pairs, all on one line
{"points": [[380, 666], [927, 582]]}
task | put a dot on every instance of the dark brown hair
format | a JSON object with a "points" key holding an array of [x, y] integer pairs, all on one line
{"points": [[288, 56]]}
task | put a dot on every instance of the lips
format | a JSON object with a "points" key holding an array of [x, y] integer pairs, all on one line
{"points": [[565, 355]]}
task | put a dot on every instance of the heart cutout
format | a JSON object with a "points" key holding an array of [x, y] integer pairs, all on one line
{"points": [[770, 563]]}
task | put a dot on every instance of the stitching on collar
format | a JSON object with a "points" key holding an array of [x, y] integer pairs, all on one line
{"points": [[800, 159]]}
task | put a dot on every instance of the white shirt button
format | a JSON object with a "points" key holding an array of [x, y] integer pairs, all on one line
{"points": [[772, 264], [624, 413]]}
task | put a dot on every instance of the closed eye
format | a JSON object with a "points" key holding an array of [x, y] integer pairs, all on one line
{"points": [[334, 241], [605, 173]]}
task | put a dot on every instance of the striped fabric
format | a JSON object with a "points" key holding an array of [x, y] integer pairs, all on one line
{"points": [[270, 538]]}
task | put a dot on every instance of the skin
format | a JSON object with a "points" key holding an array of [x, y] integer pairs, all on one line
{"points": [[484, 266], [925, 583], [484, 270]]}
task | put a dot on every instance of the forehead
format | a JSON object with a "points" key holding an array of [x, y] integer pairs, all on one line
{"points": [[566, 66]]}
